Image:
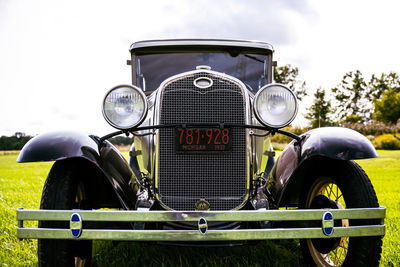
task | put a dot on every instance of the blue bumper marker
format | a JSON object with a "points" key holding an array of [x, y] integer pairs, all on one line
{"points": [[75, 225], [327, 223], [203, 226]]}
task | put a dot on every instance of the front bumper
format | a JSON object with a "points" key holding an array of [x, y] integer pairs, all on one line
{"points": [[78, 233]]}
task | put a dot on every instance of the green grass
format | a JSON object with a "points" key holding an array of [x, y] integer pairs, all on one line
{"points": [[384, 173], [21, 186]]}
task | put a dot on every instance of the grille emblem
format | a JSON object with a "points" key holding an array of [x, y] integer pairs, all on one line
{"points": [[202, 204], [203, 226], [203, 82], [75, 225], [327, 223]]}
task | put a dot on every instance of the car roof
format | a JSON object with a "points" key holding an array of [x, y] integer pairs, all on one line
{"points": [[198, 43]]}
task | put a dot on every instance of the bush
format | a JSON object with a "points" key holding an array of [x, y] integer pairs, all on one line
{"points": [[283, 139], [387, 141], [121, 140], [374, 127]]}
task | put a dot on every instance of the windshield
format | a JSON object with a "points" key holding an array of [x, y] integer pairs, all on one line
{"points": [[153, 69]]}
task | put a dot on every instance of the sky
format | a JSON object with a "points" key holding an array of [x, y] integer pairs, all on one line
{"points": [[59, 58]]}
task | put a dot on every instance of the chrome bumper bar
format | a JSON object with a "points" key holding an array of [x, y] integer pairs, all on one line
{"points": [[76, 217]]}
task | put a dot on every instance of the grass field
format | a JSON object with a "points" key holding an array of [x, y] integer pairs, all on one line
{"points": [[21, 186]]}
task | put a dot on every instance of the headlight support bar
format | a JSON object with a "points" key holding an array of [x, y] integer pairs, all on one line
{"points": [[184, 125]]}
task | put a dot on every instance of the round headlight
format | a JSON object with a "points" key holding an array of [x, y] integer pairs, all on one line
{"points": [[124, 107], [275, 105]]}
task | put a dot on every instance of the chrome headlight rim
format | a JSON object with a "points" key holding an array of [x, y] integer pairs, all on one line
{"points": [[258, 116], [145, 109]]}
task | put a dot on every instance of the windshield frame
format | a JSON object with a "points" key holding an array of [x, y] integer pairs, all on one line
{"points": [[205, 46]]}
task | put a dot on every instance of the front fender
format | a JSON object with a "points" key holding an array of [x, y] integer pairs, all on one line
{"points": [[335, 143], [59, 145], [112, 166]]}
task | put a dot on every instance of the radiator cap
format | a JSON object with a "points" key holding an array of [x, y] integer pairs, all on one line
{"points": [[203, 67]]}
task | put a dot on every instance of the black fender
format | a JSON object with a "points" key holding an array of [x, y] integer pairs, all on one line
{"points": [[59, 145], [328, 143], [111, 168]]}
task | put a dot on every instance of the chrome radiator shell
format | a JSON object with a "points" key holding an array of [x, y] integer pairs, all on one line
{"points": [[222, 179]]}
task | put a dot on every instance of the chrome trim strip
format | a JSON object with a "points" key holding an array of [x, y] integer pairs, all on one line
{"points": [[195, 235], [194, 216]]}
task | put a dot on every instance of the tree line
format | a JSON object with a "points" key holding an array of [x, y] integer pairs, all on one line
{"points": [[354, 100], [19, 139], [15, 142]]}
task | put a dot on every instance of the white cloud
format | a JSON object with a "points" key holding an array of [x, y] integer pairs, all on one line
{"points": [[58, 58]]}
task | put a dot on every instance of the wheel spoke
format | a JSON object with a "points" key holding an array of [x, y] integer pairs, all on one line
{"points": [[330, 191], [336, 256], [340, 257], [337, 193], [346, 244], [332, 256], [333, 191]]}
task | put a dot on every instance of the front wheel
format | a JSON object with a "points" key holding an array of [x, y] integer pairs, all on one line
{"points": [[339, 185], [63, 190]]}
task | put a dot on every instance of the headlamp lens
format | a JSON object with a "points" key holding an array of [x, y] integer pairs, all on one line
{"points": [[275, 105], [124, 107]]}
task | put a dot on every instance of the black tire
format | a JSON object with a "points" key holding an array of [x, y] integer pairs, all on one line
{"points": [[63, 190], [340, 184]]}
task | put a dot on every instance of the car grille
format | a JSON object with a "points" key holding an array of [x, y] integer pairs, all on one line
{"points": [[184, 179]]}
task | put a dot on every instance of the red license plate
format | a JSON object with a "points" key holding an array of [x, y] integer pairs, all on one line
{"points": [[203, 139]]}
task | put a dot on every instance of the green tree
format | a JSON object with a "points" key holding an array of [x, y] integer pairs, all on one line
{"points": [[320, 110], [352, 99], [387, 109], [384, 92], [378, 85], [287, 75]]}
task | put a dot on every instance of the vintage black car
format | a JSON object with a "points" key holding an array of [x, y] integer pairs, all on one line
{"points": [[202, 170]]}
